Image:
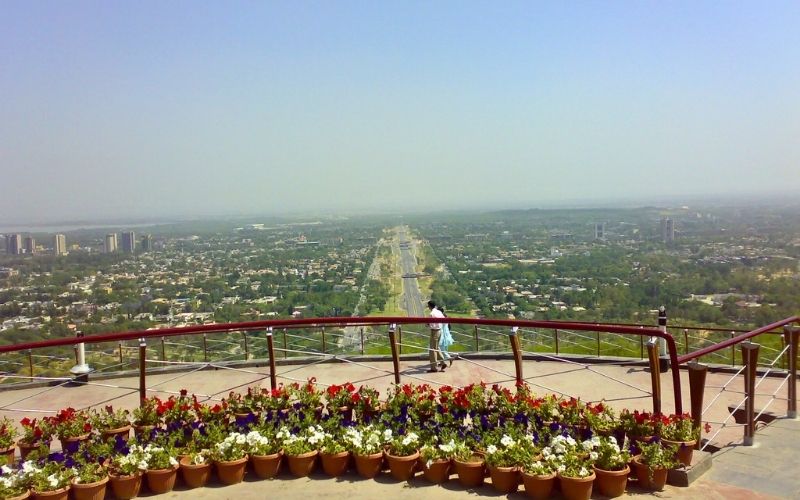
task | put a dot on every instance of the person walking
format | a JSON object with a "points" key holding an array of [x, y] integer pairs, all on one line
{"points": [[445, 340], [434, 354]]}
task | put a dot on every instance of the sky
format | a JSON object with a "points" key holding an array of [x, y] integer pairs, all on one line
{"points": [[185, 108]]}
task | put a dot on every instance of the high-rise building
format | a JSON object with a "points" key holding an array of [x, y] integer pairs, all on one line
{"points": [[60, 244], [667, 230], [13, 244], [600, 231], [29, 244], [128, 242], [111, 243], [147, 243]]}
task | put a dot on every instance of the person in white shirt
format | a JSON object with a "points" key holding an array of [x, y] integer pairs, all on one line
{"points": [[435, 355]]}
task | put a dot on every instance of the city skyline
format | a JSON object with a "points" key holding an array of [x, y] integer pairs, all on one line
{"points": [[346, 108]]}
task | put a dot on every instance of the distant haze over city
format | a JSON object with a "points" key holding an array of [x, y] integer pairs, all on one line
{"points": [[152, 111]]}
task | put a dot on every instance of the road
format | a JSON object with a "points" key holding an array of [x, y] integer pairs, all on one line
{"points": [[408, 264]]}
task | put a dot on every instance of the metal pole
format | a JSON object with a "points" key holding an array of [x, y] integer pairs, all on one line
{"points": [[323, 340], [792, 336], [395, 359], [598, 343], [750, 358], [515, 348], [30, 362], [555, 336], [142, 371], [655, 374], [246, 347], [400, 339], [75, 349], [205, 348], [733, 351], [641, 347], [163, 350], [362, 339], [285, 345], [273, 382], [686, 340], [477, 346], [697, 386], [120, 353]]}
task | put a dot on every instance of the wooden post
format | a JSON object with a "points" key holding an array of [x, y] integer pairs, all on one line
{"points": [[361, 330], [395, 358], [142, 371], [273, 381], [30, 362], [205, 348], [697, 386], [641, 346], [324, 347], [792, 337], [515, 349], [477, 346], [163, 350], [120, 353], [400, 339], [733, 351], [750, 358], [598, 343], [285, 345], [555, 337], [246, 347], [655, 374]]}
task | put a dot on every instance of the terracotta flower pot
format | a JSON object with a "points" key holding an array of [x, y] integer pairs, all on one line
{"points": [[649, 479], [161, 480], [267, 466], [471, 473], [504, 479], [301, 465], [123, 432], [60, 494], [126, 487], [576, 488], [402, 468], [438, 471], [8, 454], [335, 464], [685, 450], [368, 466], [90, 491], [539, 487], [231, 472], [70, 441], [195, 475], [25, 448], [23, 496], [612, 483]]}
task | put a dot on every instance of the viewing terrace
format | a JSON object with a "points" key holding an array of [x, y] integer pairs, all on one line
{"points": [[737, 382]]}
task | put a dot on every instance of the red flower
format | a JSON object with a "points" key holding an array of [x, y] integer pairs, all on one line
{"points": [[87, 427], [184, 392], [707, 427]]}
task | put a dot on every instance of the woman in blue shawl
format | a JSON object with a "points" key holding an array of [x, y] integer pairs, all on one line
{"points": [[445, 340]]}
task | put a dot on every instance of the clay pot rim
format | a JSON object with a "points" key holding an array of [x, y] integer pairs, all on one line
{"points": [[168, 469], [308, 454], [687, 443], [620, 472], [278, 453], [114, 475], [60, 490], [184, 462], [500, 468], [89, 485], [586, 479], [369, 455], [341, 454], [413, 456], [471, 463], [637, 459], [233, 462], [542, 477]]}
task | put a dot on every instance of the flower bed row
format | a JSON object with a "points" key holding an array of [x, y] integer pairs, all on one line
{"points": [[512, 435]]}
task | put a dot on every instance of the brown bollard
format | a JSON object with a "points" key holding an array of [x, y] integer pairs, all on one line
{"points": [[395, 358], [750, 357], [697, 386], [655, 374], [792, 338], [517, 351], [273, 381], [142, 371]]}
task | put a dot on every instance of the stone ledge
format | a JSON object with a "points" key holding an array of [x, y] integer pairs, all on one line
{"points": [[701, 463]]}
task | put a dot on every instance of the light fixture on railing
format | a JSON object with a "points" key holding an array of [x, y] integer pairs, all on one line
{"points": [[81, 370]]}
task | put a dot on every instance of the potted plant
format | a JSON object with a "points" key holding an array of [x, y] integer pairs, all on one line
{"points": [[162, 468], [90, 479], [195, 468], [402, 454], [265, 452], [230, 458], [112, 423], [575, 475], [504, 455], [639, 426], [126, 471], [604, 421], [610, 466], [366, 404], [51, 480], [437, 458], [14, 484], [7, 435], [35, 434], [539, 477], [468, 465], [301, 449], [145, 417], [680, 432], [72, 426], [653, 463], [306, 398], [333, 454], [366, 443], [340, 399]]}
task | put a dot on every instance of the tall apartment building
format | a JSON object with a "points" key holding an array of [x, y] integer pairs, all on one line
{"points": [[111, 243], [29, 245], [13, 244], [60, 244], [600, 231], [667, 230], [128, 242], [147, 243]]}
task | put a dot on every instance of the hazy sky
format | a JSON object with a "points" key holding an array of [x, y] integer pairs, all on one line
{"points": [[176, 108]]}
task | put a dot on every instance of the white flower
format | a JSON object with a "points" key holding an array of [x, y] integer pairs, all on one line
{"points": [[507, 441], [387, 435], [491, 449], [593, 456], [449, 447], [52, 480], [142, 465], [583, 472], [6, 469], [172, 461]]}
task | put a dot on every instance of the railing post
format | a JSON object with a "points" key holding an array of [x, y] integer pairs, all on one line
{"points": [[395, 359], [30, 362], [400, 339], [273, 382], [246, 347], [655, 373], [598, 343], [791, 335], [686, 340], [697, 386], [555, 336], [750, 359], [477, 345], [362, 339], [641, 346], [733, 351], [120, 353], [285, 345], [163, 350], [142, 371], [324, 347], [75, 349], [205, 348], [513, 337]]}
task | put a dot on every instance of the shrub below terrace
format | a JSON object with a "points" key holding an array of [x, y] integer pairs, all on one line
{"points": [[511, 428]]}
